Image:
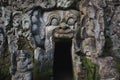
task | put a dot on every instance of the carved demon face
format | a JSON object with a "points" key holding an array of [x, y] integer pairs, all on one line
{"points": [[65, 22]]}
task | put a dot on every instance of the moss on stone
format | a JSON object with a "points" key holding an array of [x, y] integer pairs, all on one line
{"points": [[41, 75], [117, 66], [35, 70], [4, 65], [91, 69]]}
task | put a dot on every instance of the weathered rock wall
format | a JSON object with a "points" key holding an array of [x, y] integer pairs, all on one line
{"points": [[32, 26]]}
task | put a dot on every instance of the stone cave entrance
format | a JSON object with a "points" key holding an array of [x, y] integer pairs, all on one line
{"points": [[62, 66]]}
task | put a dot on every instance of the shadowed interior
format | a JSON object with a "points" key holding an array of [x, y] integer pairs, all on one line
{"points": [[62, 68]]}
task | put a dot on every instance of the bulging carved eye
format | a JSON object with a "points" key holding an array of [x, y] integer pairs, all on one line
{"points": [[54, 22], [53, 19], [70, 21]]}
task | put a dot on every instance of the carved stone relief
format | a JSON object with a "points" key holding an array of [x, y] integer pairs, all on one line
{"points": [[32, 27], [23, 68], [58, 24]]}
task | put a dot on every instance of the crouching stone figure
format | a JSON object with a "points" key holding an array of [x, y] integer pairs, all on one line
{"points": [[23, 68]]}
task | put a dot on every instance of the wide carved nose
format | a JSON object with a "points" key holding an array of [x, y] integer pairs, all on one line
{"points": [[63, 26]]}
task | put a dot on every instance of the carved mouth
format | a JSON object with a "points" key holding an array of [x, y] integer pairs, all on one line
{"points": [[62, 66], [63, 33]]}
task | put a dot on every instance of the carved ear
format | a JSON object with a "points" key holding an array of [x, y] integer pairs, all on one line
{"points": [[38, 28], [83, 33]]}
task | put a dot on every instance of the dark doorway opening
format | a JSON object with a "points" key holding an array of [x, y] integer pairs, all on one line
{"points": [[62, 66]]}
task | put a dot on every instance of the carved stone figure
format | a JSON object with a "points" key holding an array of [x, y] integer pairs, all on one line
{"points": [[93, 30], [23, 67], [51, 25], [19, 38], [65, 25]]}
